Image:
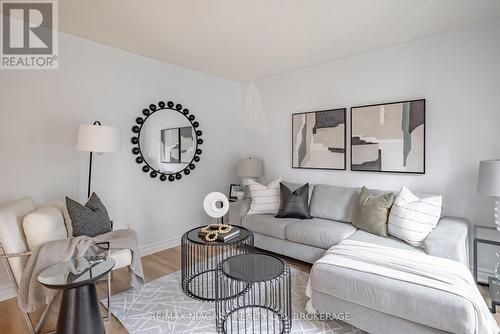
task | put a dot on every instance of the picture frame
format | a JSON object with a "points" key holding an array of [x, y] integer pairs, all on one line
{"points": [[233, 189], [319, 139], [388, 137]]}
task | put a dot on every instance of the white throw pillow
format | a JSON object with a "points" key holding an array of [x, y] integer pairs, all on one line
{"points": [[42, 225], [265, 199], [412, 219]]}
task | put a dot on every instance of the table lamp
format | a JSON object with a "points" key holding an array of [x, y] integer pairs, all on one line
{"points": [[99, 139], [249, 169], [488, 183]]}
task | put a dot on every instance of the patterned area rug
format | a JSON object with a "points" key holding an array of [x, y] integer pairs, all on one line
{"points": [[161, 307]]}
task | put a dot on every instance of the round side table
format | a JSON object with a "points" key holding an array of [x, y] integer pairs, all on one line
{"points": [[79, 311], [199, 260], [265, 307]]}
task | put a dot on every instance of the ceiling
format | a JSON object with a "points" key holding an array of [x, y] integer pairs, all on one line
{"points": [[242, 40]]}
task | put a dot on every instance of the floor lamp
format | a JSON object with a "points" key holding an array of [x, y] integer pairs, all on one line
{"points": [[96, 138]]}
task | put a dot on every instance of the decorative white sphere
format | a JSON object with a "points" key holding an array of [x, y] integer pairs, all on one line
{"points": [[216, 204]]}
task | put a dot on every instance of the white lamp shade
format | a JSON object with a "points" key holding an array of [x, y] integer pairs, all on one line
{"points": [[488, 182], [250, 168], [98, 138]]}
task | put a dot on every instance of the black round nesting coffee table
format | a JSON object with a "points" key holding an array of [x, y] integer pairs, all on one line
{"points": [[199, 260], [266, 304], [79, 311]]}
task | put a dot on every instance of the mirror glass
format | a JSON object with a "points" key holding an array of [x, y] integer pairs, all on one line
{"points": [[167, 141]]}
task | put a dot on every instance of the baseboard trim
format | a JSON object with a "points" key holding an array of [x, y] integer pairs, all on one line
{"points": [[159, 246], [7, 293]]}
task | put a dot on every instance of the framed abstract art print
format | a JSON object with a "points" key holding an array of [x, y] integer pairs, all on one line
{"points": [[319, 139], [389, 137]]}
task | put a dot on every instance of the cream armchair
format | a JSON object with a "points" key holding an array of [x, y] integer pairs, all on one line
{"points": [[15, 253]]}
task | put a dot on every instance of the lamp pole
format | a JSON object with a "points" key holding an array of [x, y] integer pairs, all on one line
{"points": [[90, 165]]}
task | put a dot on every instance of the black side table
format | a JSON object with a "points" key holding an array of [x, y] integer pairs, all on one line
{"points": [[79, 311], [199, 260], [263, 301]]}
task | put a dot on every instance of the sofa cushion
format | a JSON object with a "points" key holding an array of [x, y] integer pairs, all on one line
{"points": [[360, 235], [318, 232], [43, 225], [334, 203], [267, 225]]}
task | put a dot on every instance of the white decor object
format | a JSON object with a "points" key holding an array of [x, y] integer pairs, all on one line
{"points": [[488, 183], [265, 199], [412, 219], [99, 139], [43, 225], [216, 205]]}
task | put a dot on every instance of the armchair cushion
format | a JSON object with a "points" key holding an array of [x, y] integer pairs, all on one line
{"points": [[122, 257], [43, 225], [61, 206], [11, 232]]}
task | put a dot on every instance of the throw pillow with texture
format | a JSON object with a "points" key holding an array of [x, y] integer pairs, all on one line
{"points": [[373, 211], [412, 219], [294, 204], [90, 219], [265, 199], [43, 225]]}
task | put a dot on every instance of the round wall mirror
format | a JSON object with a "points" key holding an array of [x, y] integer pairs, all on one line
{"points": [[166, 141]]}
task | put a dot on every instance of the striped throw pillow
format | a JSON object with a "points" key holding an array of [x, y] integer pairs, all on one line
{"points": [[265, 199], [412, 219]]}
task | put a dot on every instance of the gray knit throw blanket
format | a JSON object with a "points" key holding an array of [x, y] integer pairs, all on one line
{"points": [[32, 294]]}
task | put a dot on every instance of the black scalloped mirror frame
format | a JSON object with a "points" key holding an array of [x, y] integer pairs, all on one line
{"points": [[136, 149]]}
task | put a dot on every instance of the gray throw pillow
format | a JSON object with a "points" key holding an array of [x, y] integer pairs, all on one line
{"points": [[294, 204], [373, 212], [90, 219]]}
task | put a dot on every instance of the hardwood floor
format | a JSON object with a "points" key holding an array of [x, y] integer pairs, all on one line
{"points": [[155, 266]]}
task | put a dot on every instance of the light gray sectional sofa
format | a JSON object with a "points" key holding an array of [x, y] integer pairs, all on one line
{"points": [[376, 304]]}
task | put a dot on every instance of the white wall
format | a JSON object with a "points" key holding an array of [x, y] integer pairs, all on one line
{"points": [[457, 72], [40, 112]]}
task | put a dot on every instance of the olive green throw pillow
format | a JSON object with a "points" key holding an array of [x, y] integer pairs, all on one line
{"points": [[372, 212]]}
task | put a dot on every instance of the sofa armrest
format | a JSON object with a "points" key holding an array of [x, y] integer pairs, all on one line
{"points": [[237, 210], [449, 240]]}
